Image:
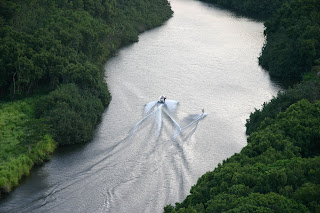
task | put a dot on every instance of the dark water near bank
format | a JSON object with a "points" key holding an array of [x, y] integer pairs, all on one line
{"points": [[203, 57]]}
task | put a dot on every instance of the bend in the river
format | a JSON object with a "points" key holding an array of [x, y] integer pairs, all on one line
{"points": [[203, 57]]}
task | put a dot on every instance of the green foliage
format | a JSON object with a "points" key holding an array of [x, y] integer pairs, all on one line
{"points": [[278, 170], [293, 39], [62, 46], [255, 202], [40, 48], [59, 46], [72, 113], [260, 8], [24, 141], [292, 33], [309, 90], [49, 43]]}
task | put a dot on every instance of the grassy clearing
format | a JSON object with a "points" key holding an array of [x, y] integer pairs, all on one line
{"points": [[20, 146]]}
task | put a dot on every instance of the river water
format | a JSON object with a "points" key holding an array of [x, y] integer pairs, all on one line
{"points": [[146, 155]]}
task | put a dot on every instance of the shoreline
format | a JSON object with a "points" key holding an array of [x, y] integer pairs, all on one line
{"points": [[34, 139]]}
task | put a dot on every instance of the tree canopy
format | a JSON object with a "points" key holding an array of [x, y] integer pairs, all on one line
{"points": [[52, 57], [256, 8], [292, 39], [60, 47], [278, 171], [292, 33]]}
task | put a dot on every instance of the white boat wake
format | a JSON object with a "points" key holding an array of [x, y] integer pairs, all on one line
{"points": [[155, 112], [131, 164]]}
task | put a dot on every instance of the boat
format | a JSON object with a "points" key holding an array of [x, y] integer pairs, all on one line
{"points": [[162, 99]]}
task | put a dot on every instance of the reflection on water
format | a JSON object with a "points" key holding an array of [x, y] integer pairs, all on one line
{"points": [[285, 83]]}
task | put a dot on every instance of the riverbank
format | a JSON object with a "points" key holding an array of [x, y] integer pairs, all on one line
{"points": [[157, 171], [60, 48], [25, 142], [260, 10], [278, 170]]}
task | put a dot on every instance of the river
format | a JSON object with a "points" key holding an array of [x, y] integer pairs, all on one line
{"points": [[146, 155]]}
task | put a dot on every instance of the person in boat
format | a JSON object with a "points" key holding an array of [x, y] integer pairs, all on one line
{"points": [[162, 99]]}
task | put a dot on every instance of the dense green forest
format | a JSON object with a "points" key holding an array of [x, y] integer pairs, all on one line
{"points": [[308, 89], [62, 45], [52, 55], [278, 170], [292, 39], [292, 33], [256, 8]]}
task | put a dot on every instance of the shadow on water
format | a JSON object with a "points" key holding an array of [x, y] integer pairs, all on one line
{"points": [[284, 83], [235, 13]]}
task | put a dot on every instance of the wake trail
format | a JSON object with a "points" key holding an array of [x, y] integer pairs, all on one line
{"points": [[177, 128], [159, 121], [171, 105], [197, 120], [134, 129], [142, 153], [149, 106]]}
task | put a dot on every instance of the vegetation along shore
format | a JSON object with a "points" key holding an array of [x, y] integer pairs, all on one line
{"points": [[52, 86], [279, 169], [52, 93]]}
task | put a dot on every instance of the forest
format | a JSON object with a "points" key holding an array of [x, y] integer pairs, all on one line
{"points": [[52, 81], [292, 40], [292, 33], [278, 169], [257, 8], [52, 93]]}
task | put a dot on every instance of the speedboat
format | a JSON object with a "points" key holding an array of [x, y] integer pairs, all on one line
{"points": [[162, 99]]}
